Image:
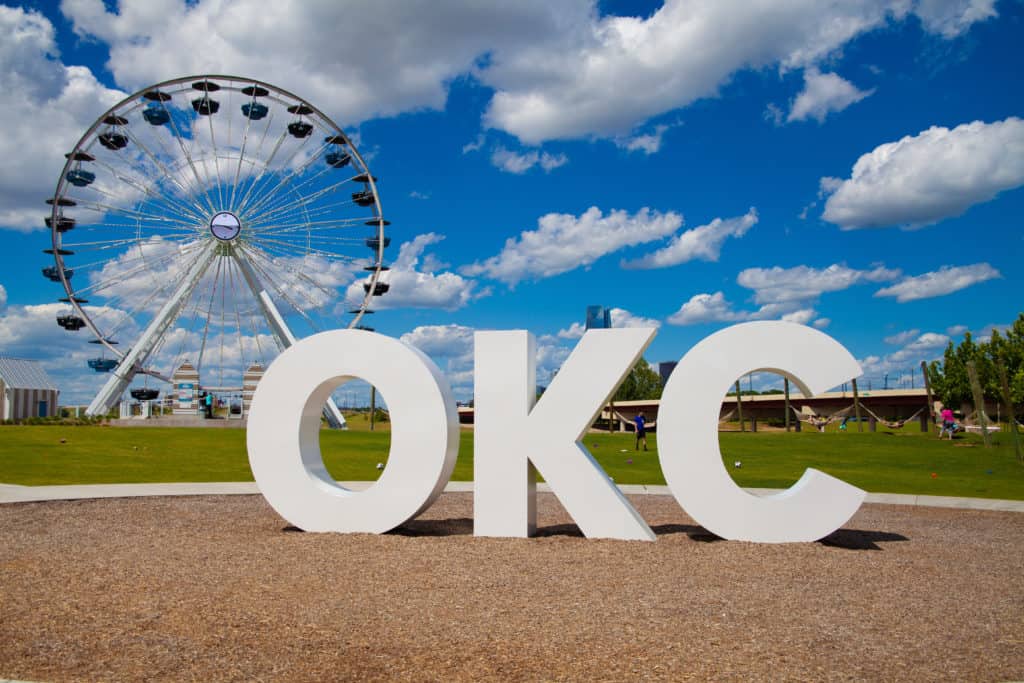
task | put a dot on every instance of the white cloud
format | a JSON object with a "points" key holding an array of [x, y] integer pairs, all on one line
{"points": [[956, 330], [782, 293], [423, 287], [822, 95], [901, 338], [623, 318], [556, 67], [923, 347], [923, 179], [703, 242], [442, 341], [773, 114], [38, 93], [343, 69], [563, 242], [804, 283], [451, 346], [32, 332], [521, 162], [475, 145], [705, 308], [685, 51], [945, 280], [3, 298], [648, 143], [950, 19], [416, 194], [801, 316], [620, 317], [574, 331]]}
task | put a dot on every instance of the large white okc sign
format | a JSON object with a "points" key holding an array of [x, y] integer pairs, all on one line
{"points": [[517, 435]]}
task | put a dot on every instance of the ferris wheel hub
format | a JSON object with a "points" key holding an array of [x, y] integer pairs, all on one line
{"points": [[225, 226]]}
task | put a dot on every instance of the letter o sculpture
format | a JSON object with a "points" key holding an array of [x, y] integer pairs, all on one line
{"points": [[284, 432]]}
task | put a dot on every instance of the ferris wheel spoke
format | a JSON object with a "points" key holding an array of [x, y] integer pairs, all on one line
{"points": [[209, 314], [134, 213], [328, 292], [241, 157], [256, 158], [263, 171], [265, 278], [216, 162], [236, 286], [301, 250], [272, 189], [167, 173], [309, 212], [101, 285], [285, 181], [191, 190], [119, 209], [329, 224], [271, 211], [200, 186]]}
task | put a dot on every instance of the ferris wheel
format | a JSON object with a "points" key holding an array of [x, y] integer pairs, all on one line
{"points": [[211, 220]]}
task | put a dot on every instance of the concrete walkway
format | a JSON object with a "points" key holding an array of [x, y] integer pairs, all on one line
{"points": [[12, 493]]}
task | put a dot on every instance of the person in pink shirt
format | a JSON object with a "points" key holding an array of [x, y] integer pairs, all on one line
{"points": [[948, 423]]}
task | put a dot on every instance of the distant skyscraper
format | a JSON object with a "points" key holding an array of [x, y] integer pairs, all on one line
{"points": [[665, 369], [598, 318]]}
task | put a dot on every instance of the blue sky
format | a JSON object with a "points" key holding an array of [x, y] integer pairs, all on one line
{"points": [[854, 166]]}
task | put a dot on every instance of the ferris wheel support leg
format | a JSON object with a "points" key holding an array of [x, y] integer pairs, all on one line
{"points": [[285, 338], [283, 334], [126, 370]]}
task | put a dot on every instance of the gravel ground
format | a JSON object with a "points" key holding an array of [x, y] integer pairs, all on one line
{"points": [[218, 588]]}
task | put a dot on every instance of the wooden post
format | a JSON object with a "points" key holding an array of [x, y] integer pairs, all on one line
{"points": [[872, 424], [930, 408], [739, 406], [979, 402], [1011, 416], [785, 385], [856, 407], [611, 416], [373, 405]]}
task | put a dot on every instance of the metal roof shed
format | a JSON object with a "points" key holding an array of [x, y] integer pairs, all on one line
{"points": [[26, 390]]}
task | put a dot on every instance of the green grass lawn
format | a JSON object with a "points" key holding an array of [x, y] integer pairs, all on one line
{"points": [[880, 462]]}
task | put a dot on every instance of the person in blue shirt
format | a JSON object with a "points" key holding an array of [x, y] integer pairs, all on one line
{"points": [[641, 430]]}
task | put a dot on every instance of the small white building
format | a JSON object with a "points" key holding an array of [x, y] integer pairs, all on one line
{"points": [[186, 389], [26, 390]]}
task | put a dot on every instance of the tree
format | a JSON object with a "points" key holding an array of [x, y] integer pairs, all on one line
{"points": [[949, 377], [641, 383]]}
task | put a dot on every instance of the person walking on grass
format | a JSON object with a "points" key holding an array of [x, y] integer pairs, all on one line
{"points": [[948, 423], [641, 430]]}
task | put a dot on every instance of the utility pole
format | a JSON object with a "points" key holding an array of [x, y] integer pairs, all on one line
{"points": [[785, 385], [1011, 416], [930, 408], [979, 402], [856, 407], [373, 405], [739, 406]]}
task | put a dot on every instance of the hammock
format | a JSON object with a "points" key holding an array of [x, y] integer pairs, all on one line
{"points": [[970, 424], [814, 420], [728, 416], [891, 424]]}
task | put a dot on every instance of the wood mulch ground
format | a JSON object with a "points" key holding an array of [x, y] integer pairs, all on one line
{"points": [[218, 588]]}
